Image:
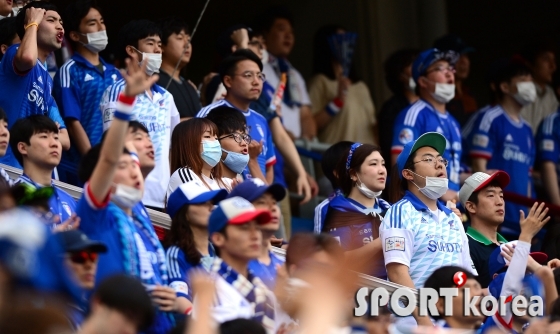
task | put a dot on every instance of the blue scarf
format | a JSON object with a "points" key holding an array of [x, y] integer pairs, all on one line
{"points": [[252, 288]]}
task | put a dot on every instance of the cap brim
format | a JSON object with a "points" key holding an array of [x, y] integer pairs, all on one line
{"points": [[260, 215], [500, 176], [94, 246], [540, 257], [277, 191], [212, 195], [431, 139]]}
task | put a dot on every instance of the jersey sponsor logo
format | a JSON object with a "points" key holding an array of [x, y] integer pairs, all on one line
{"points": [[114, 77], [67, 208], [515, 155], [509, 137], [40, 79], [480, 140], [394, 243], [36, 96], [108, 115], [547, 145], [447, 247], [405, 136], [423, 221], [365, 231], [88, 77]]}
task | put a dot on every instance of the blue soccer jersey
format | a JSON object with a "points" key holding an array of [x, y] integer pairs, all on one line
{"points": [[548, 139], [266, 272], [424, 240], [179, 268], [419, 118], [78, 88], [25, 94], [258, 130], [509, 146]]}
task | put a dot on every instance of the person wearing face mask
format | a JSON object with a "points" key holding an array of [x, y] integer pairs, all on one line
{"points": [[80, 83], [197, 135], [239, 153], [354, 218], [433, 73], [502, 140], [140, 41], [419, 233], [112, 208]]}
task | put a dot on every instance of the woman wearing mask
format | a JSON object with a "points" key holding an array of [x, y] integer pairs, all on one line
{"points": [[196, 135], [354, 218], [187, 241]]}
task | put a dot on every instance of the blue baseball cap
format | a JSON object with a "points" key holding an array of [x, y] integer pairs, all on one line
{"points": [[497, 262], [431, 139], [252, 189], [236, 211], [192, 192], [532, 286], [426, 58]]}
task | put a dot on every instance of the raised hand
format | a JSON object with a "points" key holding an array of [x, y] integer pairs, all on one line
{"points": [[255, 148], [164, 297], [532, 224], [137, 82], [71, 223], [33, 14]]}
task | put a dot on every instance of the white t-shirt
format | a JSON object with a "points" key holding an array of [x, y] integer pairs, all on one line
{"points": [[186, 175]]}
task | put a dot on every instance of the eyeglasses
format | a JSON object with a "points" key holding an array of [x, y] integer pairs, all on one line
{"points": [[83, 256], [238, 137], [434, 161], [252, 75], [443, 69]]}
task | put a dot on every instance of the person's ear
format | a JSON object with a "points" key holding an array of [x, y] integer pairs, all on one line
{"points": [[227, 81], [440, 305], [233, 48], [423, 82], [494, 276], [505, 88], [217, 239], [407, 175], [74, 36], [131, 52], [471, 207], [22, 148], [3, 48]]}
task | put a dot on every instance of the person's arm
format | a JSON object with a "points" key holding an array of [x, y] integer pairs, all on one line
{"points": [[551, 184], [269, 174], [546, 275], [78, 136], [64, 139], [308, 126], [205, 289], [363, 255], [324, 116], [102, 177], [479, 164], [255, 149], [27, 53], [288, 150]]}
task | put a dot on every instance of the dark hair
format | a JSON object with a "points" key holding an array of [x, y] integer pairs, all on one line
{"points": [[133, 126], [7, 31], [89, 161], [344, 175], [555, 312], [75, 12], [267, 19], [323, 57], [395, 65], [304, 245], [228, 120], [228, 66], [127, 295], [330, 159], [181, 235], [241, 326], [536, 48], [24, 128], [474, 196], [132, 32], [171, 25], [397, 184], [515, 67], [443, 278], [556, 273], [3, 115], [20, 18]]}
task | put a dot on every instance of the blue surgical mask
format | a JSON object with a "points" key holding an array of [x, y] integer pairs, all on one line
{"points": [[211, 152], [236, 161]]}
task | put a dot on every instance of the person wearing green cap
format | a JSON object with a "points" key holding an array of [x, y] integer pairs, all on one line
{"points": [[419, 233]]}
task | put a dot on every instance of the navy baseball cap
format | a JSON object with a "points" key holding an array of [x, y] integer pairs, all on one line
{"points": [[252, 189], [431, 139], [76, 240], [428, 57], [192, 193], [236, 211], [531, 286], [497, 262], [454, 43]]}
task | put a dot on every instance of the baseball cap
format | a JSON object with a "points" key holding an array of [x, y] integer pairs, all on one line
{"points": [[428, 57], [431, 139], [192, 193], [478, 181], [497, 262], [251, 189], [454, 43], [76, 240], [235, 211], [531, 286]]}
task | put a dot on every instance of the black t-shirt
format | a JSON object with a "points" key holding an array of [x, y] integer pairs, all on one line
{"points": [[481, 248], [185, 96]]}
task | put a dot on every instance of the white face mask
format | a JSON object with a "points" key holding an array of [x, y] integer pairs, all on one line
{"points": [[97, 41], [444, 92], [435, 186], [154, 62], [411, 84], [126, 197], [366, 191], [526, 93]]}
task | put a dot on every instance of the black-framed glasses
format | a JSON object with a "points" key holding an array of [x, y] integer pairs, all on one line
{"points": [[238, 137], [432, 160], [252, 75]]}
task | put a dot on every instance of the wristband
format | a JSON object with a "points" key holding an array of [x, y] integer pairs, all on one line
{"points": [[31, 24], [121, 115], [188, 311], [125, 104], [135, 157], [334, 107]]}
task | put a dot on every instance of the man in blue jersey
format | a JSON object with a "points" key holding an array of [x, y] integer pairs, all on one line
{"points": [[25, 81], [241, 74], [502, 139], [418, 233], [36, 146], [433, 73], [80, 83], [155, 109], [112, 210]]}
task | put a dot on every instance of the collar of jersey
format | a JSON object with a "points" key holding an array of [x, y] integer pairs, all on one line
{"points": [[420, 206], [429, 105], [246, 113], [471, 232], [80, 59], [343, 203]]}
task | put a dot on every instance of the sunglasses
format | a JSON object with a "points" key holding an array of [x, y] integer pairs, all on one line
{"points": [[83, 257]]}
